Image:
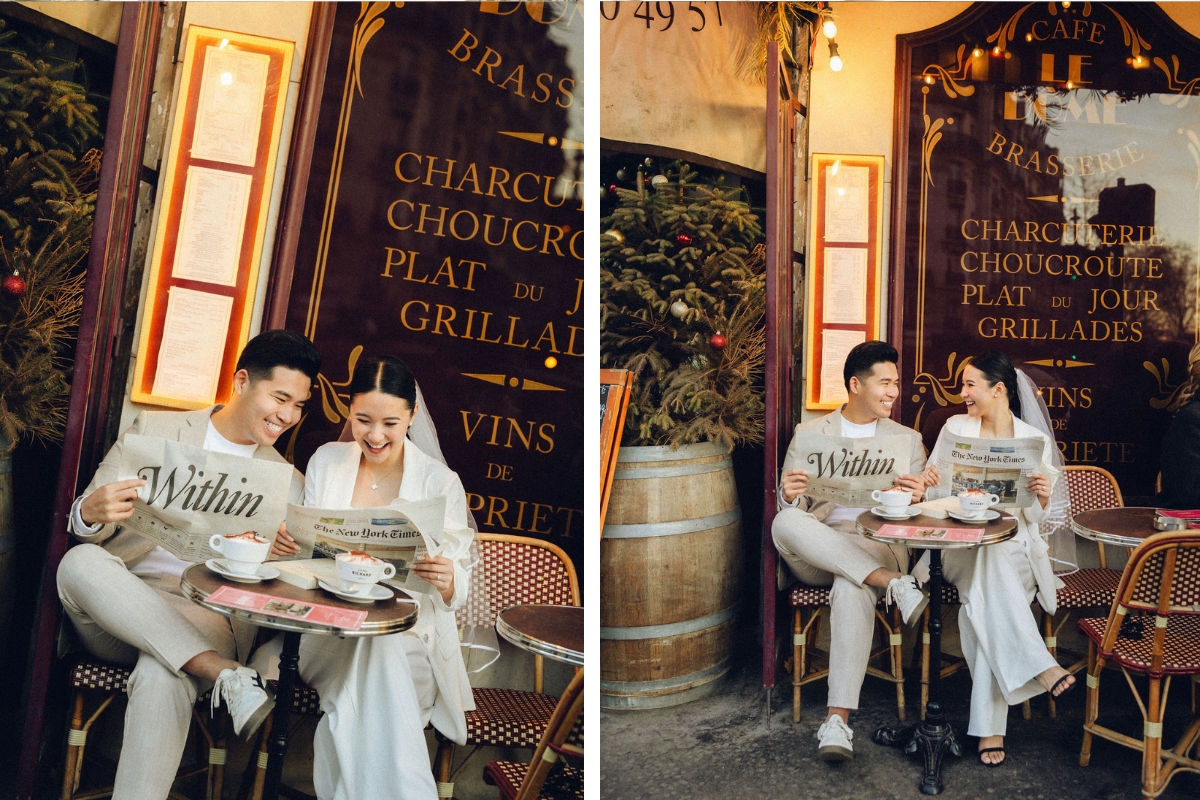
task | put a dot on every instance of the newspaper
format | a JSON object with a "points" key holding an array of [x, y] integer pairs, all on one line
{"points": [[192, 493], [397, 534], [997, 466], [847, 470]]}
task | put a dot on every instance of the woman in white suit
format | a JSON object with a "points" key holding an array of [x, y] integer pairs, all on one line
{"points": [[378, 693], [1000, 639]]}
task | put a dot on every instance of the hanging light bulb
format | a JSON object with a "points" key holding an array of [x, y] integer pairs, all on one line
{"points": [[835, 61], [829, 29]]}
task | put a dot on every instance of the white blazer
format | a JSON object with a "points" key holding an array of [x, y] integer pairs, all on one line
{"points": [[1028, 535], [329, 483]]}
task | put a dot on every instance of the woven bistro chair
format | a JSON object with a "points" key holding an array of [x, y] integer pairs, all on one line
{"points": [[815, 599], [1162, 579], [518, 569], [89, 677], [547, 776], [1088, 488]]}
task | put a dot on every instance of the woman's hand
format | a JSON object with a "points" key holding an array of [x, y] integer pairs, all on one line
{"points": [[284, 545], [437, 571], [931, 476], [1040, 485]]}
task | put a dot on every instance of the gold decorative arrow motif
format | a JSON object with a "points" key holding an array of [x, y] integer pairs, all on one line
{"points": [[1060, 362], [1053, 198], [505, 380], [541, 138]]}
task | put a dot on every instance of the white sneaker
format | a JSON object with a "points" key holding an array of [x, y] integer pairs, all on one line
{"points": [[834, 740], [903, 592], [246, 699]]}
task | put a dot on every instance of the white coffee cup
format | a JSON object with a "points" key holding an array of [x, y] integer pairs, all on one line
{"points": [[974, 502], [244, 554], [895, 499], [358, 572]]}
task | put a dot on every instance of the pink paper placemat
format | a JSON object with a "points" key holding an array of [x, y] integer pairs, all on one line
{"points": [[926, 533], [349, 619]]}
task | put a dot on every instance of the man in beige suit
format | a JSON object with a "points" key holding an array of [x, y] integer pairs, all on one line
{"points": [[122, 592], [818, 542]]}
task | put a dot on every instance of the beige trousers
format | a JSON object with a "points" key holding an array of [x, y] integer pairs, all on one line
{"points": [[122, 618], [820, 555]]}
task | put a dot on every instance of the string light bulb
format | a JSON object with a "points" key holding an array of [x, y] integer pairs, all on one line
{"points": [[835, 61], [829, 29]]}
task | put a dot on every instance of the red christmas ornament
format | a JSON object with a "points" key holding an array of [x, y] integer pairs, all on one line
{"points": [[683, 240], [612, 188], [717, 341], [14, 285]]}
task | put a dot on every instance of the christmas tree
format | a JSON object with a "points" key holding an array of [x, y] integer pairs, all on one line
{"points": [[682, 294], [47, 203]]}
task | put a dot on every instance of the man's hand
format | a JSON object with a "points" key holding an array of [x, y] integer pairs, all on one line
{"points": [[112, 502], [793, 484], [284, 545], [914, 482]]}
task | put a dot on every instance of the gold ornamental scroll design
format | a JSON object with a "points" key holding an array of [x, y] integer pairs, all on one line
{"points": [[332, 404], [1167, 391], [930, 139], [927, 385], [951, 79], [370, 22], [544, 138]]}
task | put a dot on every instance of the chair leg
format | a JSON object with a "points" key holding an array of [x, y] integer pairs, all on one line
{"points": [[1090, 704], [1026, 710], [217, 754], [260, 769], [897, 644], [1052, 646], [443, 762], [1152, 740], [71, 765], [797, 662]]}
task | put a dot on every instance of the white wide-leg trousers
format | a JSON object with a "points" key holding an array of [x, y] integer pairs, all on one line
{"points": [[999, 634]]}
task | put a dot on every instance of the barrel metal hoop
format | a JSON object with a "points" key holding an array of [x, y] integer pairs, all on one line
{"points": [[612, 696], [671, 628], [626, 687], [672, 472], [646, 530], [666, 453]]}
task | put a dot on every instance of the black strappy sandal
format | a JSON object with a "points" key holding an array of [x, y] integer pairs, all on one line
{"points": [[993, 750], [1065, 691]]}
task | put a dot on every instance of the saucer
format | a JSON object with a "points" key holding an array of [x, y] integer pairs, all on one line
{"points": [[377, 593], [908, 513], [988, 515], [219, 566]]}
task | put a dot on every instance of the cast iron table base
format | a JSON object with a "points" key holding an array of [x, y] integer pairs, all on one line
{"points": [[277, 742], [933, 737]]}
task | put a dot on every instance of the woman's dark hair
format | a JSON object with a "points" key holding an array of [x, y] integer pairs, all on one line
{"points": [[998, 368], [386, 374]]}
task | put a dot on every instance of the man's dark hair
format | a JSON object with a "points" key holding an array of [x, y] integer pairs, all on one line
{"points": [[861, 361], [271, 349]]}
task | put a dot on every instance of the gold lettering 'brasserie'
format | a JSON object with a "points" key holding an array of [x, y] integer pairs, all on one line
{"points": [[490, 63], [1086, 165]]}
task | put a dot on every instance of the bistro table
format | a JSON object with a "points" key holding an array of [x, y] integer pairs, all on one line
{"points": [[552, 631], [383, 617], [933, 736], [1124, 527]]}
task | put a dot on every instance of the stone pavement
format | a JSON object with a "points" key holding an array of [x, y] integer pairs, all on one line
{"points": [[723, 747]]}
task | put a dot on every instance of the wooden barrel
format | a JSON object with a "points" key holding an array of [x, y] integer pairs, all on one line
{"points": [[670, 568], [8, 540]]}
